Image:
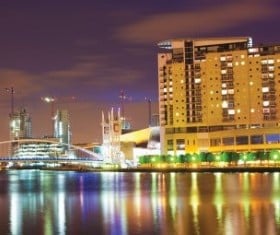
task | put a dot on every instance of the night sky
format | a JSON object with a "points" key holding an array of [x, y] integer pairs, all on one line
{"points": [[93, 49]]}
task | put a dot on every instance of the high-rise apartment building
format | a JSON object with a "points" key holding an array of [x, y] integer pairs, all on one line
{"points": [[218, 94], [62, 127], [20, 125]]}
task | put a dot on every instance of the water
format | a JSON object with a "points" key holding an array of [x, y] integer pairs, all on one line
{"points": [[56, 202]]}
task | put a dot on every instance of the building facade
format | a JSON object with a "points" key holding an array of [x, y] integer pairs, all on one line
{"points": [[218, 94], [39, 148]]}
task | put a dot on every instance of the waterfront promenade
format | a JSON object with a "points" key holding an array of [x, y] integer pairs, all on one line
{"points": [[166, 169]]}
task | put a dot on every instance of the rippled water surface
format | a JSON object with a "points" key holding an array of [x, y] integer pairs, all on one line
{"points": [[54, 202]]}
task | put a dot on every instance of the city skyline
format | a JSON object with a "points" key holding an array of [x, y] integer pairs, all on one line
{"points": [[93, 51]]}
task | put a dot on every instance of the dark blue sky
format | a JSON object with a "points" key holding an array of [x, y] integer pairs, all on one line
{"points": [[94, 49]]}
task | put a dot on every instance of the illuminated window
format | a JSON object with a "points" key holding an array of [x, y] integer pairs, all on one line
{"points": [[265, 89], [266, 110], [270, 68], [231, 111], [253, 50], [197, 80], [224, 104], [272, 138], [265, 103], [231, 91]]}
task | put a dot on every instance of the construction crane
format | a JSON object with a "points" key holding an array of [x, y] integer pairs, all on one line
{"points": [[52, 100], [11, 91], [123, 97]]}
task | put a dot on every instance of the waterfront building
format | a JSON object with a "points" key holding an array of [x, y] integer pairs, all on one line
{"points": [[139, 143], [34, 148], [218, 94], [62, 127]]}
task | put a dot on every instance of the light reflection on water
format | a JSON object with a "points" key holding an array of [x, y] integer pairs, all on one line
{"points": [[46, 202]]}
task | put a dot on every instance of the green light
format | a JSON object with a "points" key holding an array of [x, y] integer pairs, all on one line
{"points": [[218, 157], [244, 156], [274, 155]]}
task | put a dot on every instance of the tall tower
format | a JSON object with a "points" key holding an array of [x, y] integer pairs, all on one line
{"points": [[20, 125], [62, 127]]}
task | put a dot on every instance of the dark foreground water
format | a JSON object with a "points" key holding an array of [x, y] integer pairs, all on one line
{"points": [[50, 202]]}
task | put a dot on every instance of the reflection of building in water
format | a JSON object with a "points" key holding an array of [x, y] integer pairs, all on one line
{"points": [[52, 221]]}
